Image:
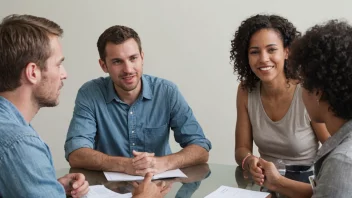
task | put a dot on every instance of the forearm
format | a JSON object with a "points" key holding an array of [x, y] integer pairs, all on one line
{"points": [[320, 131], [94, 160], [188, 156], [293, 188]]}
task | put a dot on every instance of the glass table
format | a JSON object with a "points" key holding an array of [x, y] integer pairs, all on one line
{"points": [[202, 180]]}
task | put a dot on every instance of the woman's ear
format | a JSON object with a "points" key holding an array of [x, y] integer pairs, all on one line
{"points": [[286, 51]]}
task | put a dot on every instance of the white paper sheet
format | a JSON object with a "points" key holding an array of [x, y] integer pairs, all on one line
{"points": [[230, 192], [115, 176], [100, 191]]}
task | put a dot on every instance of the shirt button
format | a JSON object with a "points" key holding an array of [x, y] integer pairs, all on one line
{"points": [[132, 131], [133, 144], [131, 112]]}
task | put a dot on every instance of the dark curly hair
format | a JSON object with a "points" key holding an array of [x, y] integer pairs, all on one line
{"points": [[323, 58], [240, 44]]}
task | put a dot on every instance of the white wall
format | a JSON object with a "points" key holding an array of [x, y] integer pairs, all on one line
{"points": [[185, 41]]}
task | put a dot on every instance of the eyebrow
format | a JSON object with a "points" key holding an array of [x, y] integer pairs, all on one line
{"points": [[116, 59], [270, 45], [61, 60], [119, 59], [137, 54]]}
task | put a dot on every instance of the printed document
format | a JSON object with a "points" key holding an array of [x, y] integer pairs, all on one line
{"points": [[115, 176], [100, 191], [230, 192]]}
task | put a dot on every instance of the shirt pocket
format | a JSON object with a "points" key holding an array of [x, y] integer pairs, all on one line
{"points": [[156, 138]]}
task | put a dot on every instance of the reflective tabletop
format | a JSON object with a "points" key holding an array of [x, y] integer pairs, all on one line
{"points": [[202, 180]]}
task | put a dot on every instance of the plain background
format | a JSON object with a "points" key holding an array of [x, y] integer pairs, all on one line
{"points": [[185, 41]]}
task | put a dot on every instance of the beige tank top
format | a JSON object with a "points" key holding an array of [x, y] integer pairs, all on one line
{"points": [[290, 139]]}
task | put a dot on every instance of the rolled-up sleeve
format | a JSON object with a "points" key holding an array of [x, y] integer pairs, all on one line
{"points": [[334, 178], [82, 129], [186, 128], [27, 170]]}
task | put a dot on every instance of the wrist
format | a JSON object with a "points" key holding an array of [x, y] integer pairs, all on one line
{"points": [[118, 164], [248, 161], [278, 183], [165, 163], [245, 160], [124, 163]]}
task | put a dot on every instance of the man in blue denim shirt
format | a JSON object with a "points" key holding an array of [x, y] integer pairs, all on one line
{"points": [[122, 122], [31, 77]]}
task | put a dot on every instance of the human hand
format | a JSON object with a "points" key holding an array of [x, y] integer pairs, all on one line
{"points": [[129, 169], [253, 167], [74, 184], [149, 189], [144, 162], [272, 175]]}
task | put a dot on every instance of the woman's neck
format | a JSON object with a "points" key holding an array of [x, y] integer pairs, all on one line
{"points": [[277, 88]]}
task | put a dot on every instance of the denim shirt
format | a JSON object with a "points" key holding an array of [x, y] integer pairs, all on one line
{"points": [[26, 166], [333, 167], [102, 121]]}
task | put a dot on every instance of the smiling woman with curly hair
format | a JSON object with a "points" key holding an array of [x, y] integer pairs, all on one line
{"points": [[240, 45], [270, 110], [323, 58]]}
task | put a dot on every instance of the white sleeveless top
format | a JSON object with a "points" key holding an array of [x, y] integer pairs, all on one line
{"points": [[290, 139]]}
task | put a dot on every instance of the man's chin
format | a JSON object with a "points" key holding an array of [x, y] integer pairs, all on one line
{"points": [[129, 88], [49, 103]]}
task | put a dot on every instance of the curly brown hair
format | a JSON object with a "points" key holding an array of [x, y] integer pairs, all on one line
{"points": [[240, 43], [323, 58]]}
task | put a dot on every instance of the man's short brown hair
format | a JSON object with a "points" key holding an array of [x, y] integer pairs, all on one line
{"points": [[116, 34], [24, 39]]}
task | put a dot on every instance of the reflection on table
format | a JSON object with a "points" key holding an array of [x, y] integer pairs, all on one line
{"points": [[202, 180]]}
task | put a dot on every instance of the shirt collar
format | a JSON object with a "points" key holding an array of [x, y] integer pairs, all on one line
{"points": [[335, 140], [146, 90], [7, 106]]}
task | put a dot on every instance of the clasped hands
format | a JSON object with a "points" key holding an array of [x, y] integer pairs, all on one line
{"points": [[263, 172], [146, 164], [143, 163]]}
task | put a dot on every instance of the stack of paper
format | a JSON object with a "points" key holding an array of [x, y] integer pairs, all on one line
{"points": [[229, 192], [115, 176], [100, 191]]}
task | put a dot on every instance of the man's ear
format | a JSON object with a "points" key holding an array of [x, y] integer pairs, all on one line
{"points": [[142, 57], [103, 66], [32, 73]]}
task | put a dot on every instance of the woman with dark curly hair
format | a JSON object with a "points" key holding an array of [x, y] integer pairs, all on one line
{"points": [[270, 110], [323, 58]]}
